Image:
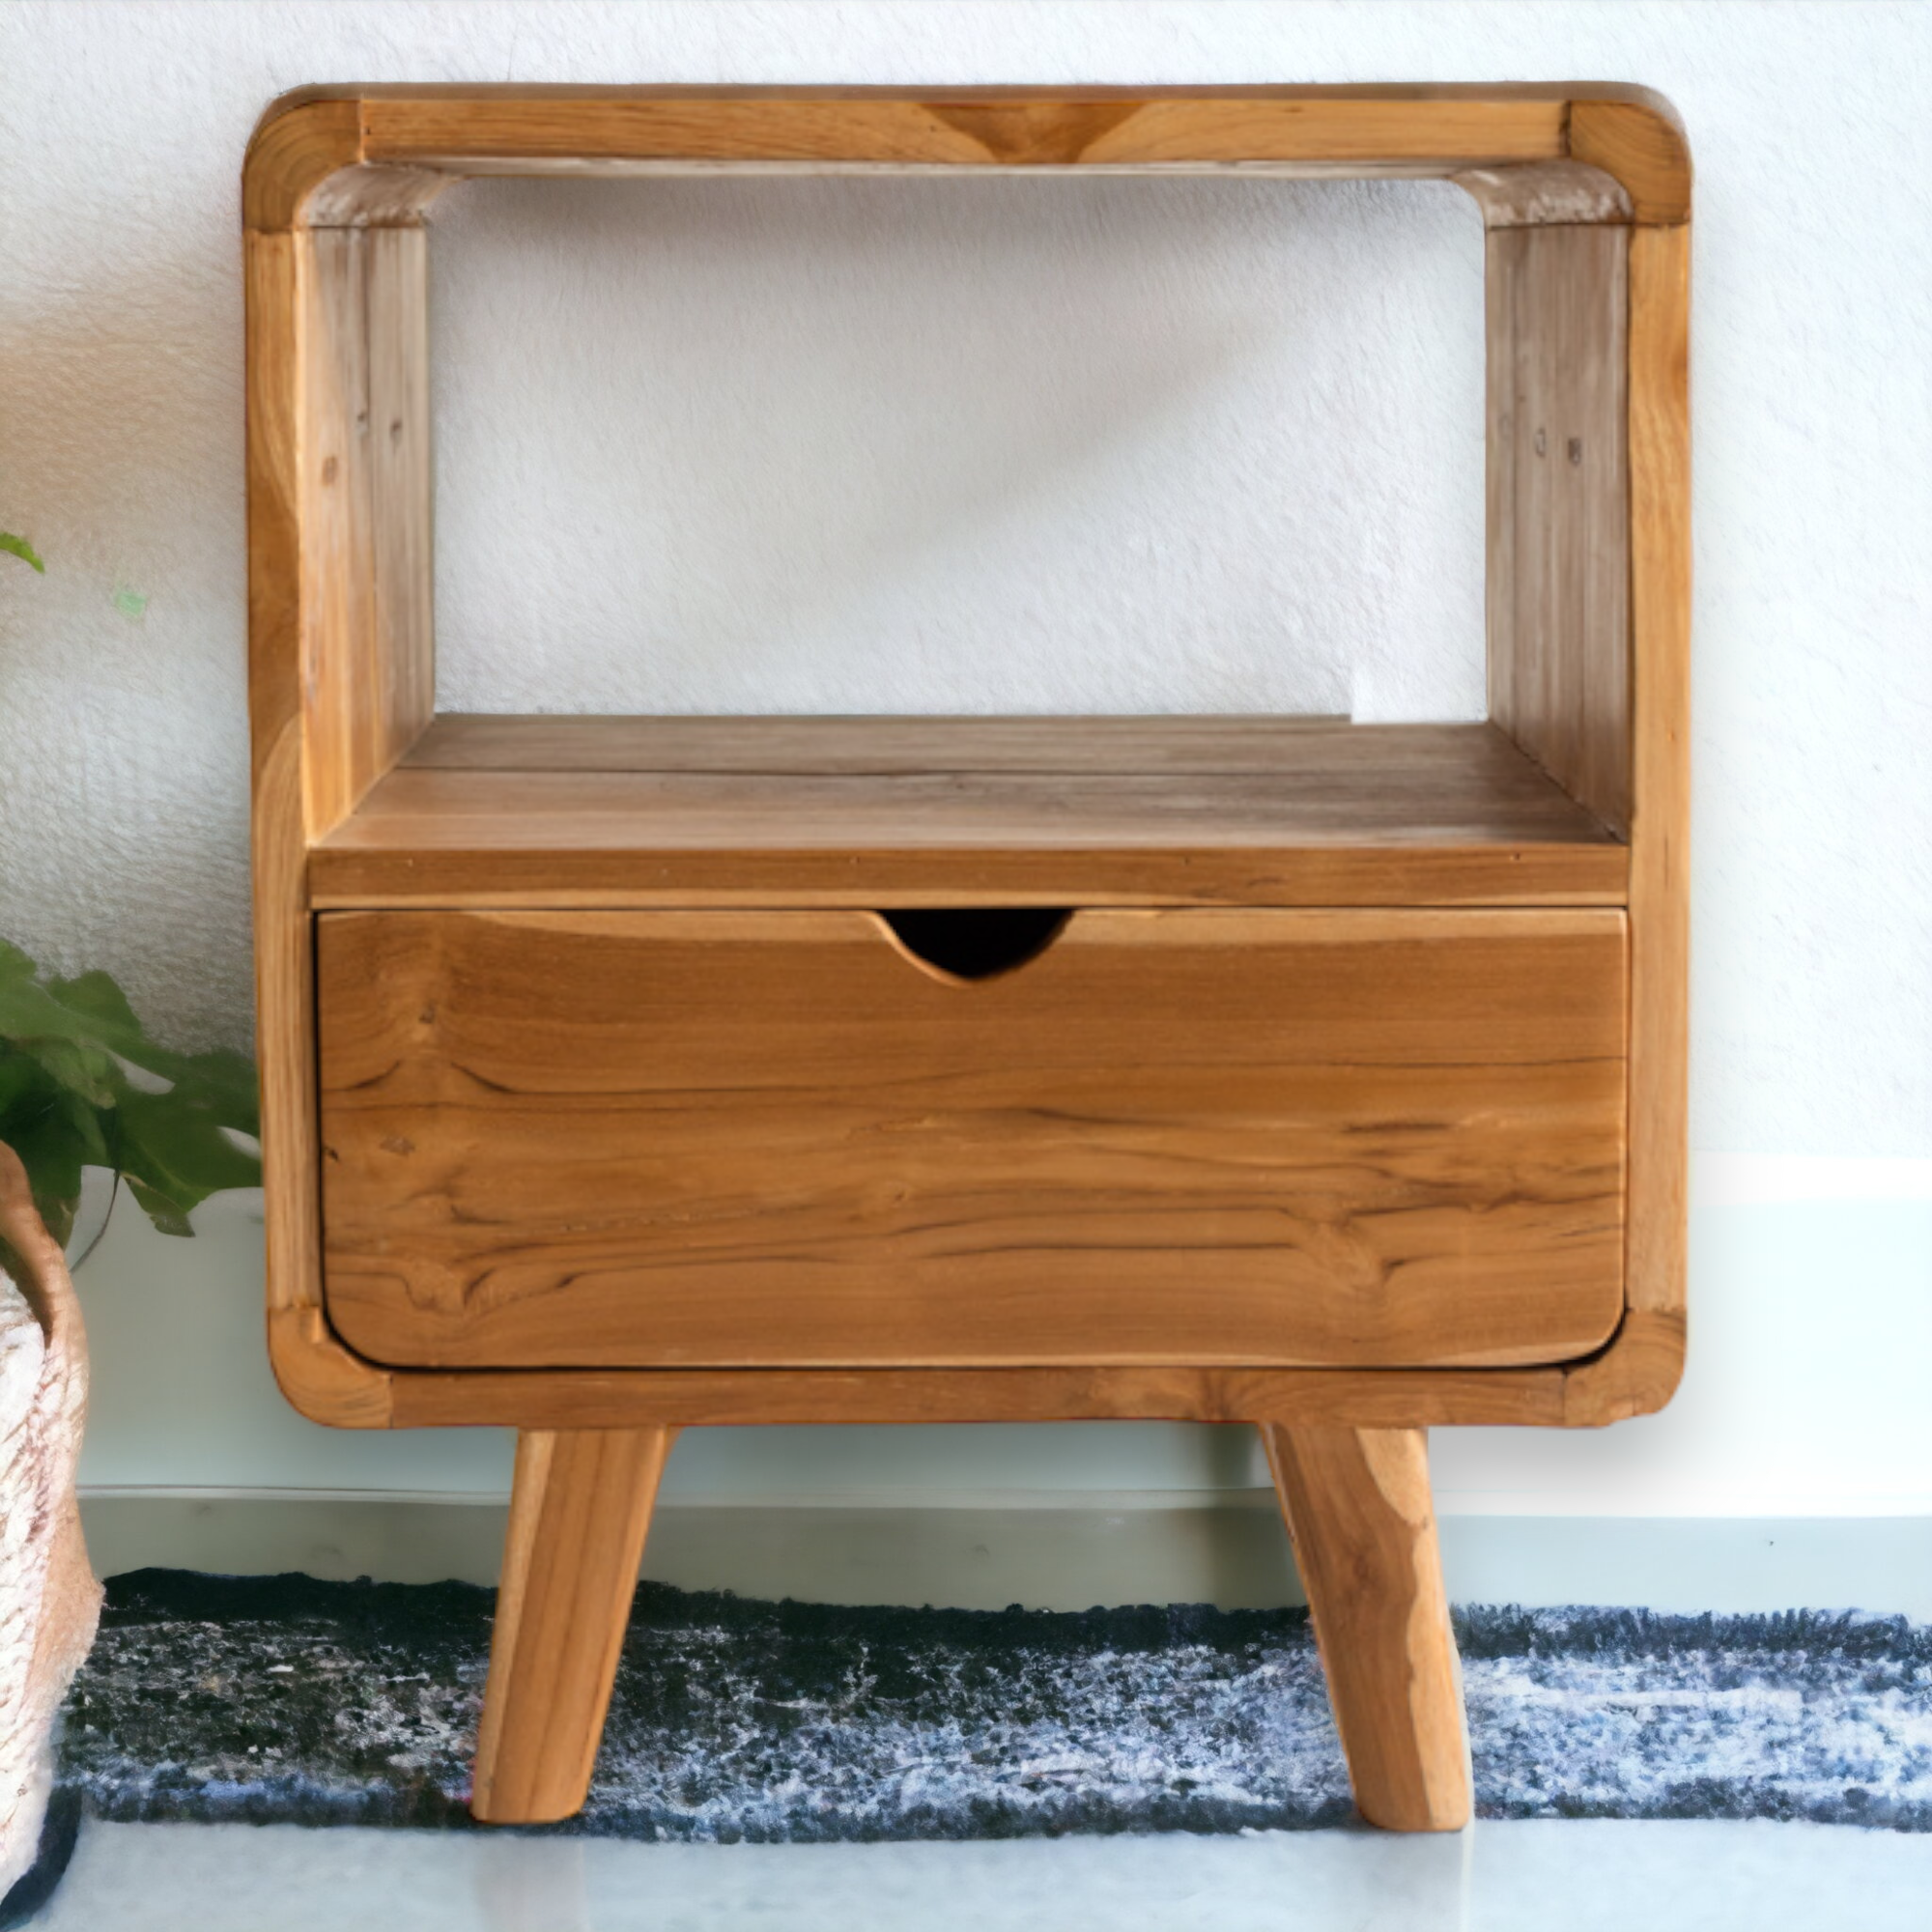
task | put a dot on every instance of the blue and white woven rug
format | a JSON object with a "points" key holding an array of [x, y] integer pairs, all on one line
{"points": [[221, 1698]]}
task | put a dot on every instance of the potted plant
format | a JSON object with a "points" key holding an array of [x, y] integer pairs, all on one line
{"points": [[49, 1598], [81, 1085]]}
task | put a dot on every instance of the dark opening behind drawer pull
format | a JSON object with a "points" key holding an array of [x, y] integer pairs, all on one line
{"points": [[977, 942]]}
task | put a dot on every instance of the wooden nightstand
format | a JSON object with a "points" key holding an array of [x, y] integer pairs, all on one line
{"points": [[627, 1074]]}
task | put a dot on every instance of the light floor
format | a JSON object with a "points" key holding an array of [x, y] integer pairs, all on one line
{"points": [[1540, 1876]]}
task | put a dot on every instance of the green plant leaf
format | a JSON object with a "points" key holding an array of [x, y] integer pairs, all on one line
{"points": [[30, 1097], [67, 1100], [23, 1083], [92, 1008], [54, 1147], [176, 1156], [169, 1216], [86, 1071], [220, 1082], [21, 549], [230, 1087], [220, 1079], [30, 1011], [96, 997], [83, 1122]]}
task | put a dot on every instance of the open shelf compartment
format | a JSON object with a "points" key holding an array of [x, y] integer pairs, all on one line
{"points": [[600, 810]]}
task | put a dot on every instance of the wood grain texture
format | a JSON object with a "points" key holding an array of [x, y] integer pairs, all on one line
{"points": [[594, 1398], [579, 1509], [329, 1383], [395, 423], [1660, 831], [340, 625], [1642, 142], [1558, 506], [379, 156], [284, 957], [501, 130], [370, 155], [342, 673], [1131, 746], [1635, 1374], [365, 476], [785, 812], [305, 169], [1539, 193], [299, 144], [746, 1139], [317, 1374], [1363, 1524]]}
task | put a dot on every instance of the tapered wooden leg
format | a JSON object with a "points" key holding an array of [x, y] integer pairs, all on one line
{"points": [[578, 1512], [1359, 1512]]}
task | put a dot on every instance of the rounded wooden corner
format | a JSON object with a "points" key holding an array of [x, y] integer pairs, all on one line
{"points": [[1638, 137], [305, 169], [302, 138], [322, 1379], [1635, 1374]]}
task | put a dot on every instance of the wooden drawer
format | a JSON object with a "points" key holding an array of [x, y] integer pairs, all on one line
{"points": [[750, 1139]]}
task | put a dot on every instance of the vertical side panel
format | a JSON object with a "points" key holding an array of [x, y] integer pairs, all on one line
{"points": [[365, 512], [284, 965], [340, 647], [1558, 524], [340, 670], [1660, 831], [401, 508]]}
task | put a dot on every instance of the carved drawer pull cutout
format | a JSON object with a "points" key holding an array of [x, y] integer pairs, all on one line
{"points": [[974, 942]]}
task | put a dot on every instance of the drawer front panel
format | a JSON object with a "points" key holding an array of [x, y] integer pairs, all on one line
{"points": [[764, 1139]]}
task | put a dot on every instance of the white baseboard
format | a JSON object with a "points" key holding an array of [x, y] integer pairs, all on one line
{"points": [[1227, 1549]]}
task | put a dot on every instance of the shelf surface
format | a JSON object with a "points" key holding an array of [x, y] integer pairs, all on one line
{"points": [[616, 812]]}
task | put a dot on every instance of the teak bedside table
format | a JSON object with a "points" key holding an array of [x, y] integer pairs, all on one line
{"points": [[623, 1074]]}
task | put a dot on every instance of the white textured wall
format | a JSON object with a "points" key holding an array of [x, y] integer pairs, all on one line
{"points": [[960, 444], [937, 444]]}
